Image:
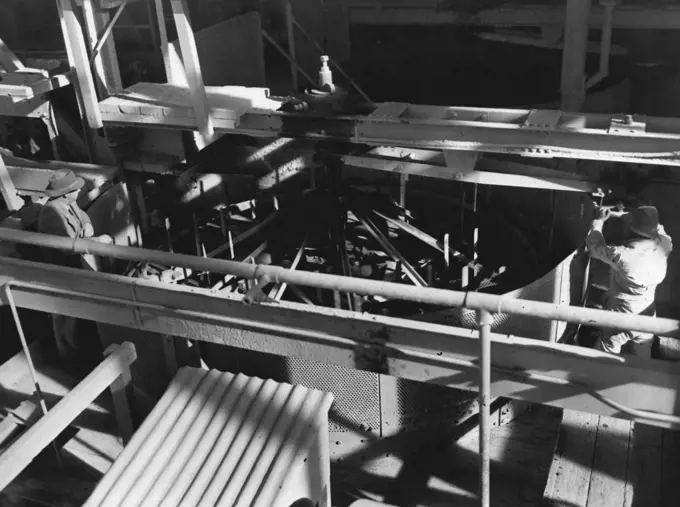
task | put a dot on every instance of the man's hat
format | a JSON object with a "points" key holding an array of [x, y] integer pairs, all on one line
{"points": [[643, 220], [62, 182]]}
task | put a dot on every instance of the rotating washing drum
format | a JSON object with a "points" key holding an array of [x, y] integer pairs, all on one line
{"points": [[381, 405]]}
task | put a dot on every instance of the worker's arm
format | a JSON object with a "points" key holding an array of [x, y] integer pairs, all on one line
{"points": [[88, 230], [597, 246]]}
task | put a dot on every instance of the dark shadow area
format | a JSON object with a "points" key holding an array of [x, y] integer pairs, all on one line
{"points": [[517, 479]]}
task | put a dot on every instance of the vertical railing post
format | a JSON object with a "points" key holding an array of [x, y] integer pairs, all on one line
{"points": [[485, 320], [7, 289]]}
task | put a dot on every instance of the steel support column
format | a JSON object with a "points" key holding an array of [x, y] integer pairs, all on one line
{"points": [[485, 321], [574, 54]]}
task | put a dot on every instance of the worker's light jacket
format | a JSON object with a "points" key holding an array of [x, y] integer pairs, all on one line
{"points": [[636, 267], [63, 217]]}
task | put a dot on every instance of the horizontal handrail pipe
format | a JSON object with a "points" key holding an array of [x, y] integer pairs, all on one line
{"points": [[441, 297], [563, 376]]}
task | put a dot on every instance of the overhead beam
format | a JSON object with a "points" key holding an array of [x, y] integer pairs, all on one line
{"points": [[648, 17], [552, 374], [529, 133], [468, 175]]}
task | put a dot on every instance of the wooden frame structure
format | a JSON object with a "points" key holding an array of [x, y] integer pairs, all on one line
{"points": [[508, 366], [113, 372]]}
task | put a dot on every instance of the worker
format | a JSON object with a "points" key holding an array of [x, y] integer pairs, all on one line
{"points": [[61, 216], [637, 266]]}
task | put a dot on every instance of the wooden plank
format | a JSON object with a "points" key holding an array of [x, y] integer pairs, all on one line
{"points": [[163, 35], [17, 366], [644, 467], [18, 456], [7, 428], [9, 192], [192, 69], [92, 31], [230, 53], [608, 480], [670, 467], [8, 59], [121, 390], [570, 472]]}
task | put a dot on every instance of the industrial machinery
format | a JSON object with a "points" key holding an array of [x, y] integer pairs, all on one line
{"points": [[371, 250]]}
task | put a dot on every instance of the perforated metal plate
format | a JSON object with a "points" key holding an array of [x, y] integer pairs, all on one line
{"points": [[357, 393]]}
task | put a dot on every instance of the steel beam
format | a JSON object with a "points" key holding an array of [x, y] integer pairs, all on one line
{"points": [[530, 133], [507, 131], [558, 375]]}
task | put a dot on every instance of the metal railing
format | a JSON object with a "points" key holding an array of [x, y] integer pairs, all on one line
{"points": [[485, 304]]}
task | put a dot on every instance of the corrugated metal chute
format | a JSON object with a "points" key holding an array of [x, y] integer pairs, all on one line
{"points": [[219, 439]]}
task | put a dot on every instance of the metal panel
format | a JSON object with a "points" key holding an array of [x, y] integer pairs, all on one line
{"points": [[356, 392], [220, 439]]}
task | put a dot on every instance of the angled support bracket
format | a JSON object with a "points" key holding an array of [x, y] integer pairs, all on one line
{"points": [[626, 125], [542, 119]]}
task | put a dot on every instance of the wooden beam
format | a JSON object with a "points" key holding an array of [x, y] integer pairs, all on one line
{"points": [[121, 392], [20, 454], [467, 176], [8, 59], [79, 62], [522, 368], [9, 192], [17, 366], [163, 35], [192, 69], [106, 66]]}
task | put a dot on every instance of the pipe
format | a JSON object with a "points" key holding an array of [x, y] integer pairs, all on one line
{"points": [[485, 321], [606, 43], [321, 337], [7, 288], [428, 295]]}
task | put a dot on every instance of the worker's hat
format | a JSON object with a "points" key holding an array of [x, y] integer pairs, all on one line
{"points": [[63, 182], [643, 220]]}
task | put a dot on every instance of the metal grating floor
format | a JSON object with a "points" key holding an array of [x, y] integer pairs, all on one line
{"points": [[216, 439]]}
